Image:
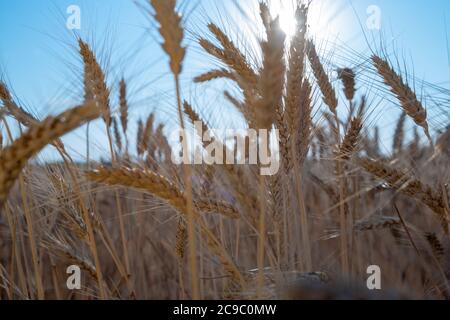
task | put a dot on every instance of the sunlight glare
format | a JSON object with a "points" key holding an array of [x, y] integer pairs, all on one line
{"points": [[285, 11], [321, 24]]}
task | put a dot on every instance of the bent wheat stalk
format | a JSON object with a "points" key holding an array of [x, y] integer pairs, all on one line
{"points": [[414, 188], [164, 189], [407, 97], [14, 157]]}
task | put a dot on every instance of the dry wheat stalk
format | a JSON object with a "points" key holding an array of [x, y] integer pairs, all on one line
{"points": [[24, 117], [264, 12], [271, 80], [95, 87], [376, 222], [231, 56], [164, 189], [350, 142], [171, 32], [303, 135], [443, 142], [329, 95], [242, 107], [407, 97], [213, 206], [139, 137], [399, 134], [117, 136], [14, 157], [160, 187], [57, 247], [13, 109], [194, 117], [214, 74], [295, 70], [181, 238], [414, 188], [435, 244], [148, 131]]}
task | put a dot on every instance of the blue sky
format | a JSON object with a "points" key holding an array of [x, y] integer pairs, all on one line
{"points": [[38, 54]]}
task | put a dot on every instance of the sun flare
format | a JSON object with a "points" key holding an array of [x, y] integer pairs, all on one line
{"points": [[321, 23], [286, 13]]}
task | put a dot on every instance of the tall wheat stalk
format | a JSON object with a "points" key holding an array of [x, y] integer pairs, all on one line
{"points": [[171, 31]]}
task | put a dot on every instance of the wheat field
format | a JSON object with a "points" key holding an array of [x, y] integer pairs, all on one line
{"points": [[140, 226]]}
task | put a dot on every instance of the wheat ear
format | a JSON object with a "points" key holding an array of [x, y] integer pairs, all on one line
{"points": [[350, 142], [414, 188], [407, 97], [233, 57], [399, 134], [123, 105], [296, 70], [347, 77], [171, 32], [329, 95], [272, 75], [215, 74], [14, 157], [164, 189], [95, 88]]}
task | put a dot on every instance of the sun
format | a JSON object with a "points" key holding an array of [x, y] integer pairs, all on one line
{"points": [[285, 10], [322, 24]]}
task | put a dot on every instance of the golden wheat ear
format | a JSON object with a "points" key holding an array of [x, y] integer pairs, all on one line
{"points": [[323, 81], [407, 97], [95, 88], [14, 157], [171, 31], [414, 188], [347, 76], [271, 79]]}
